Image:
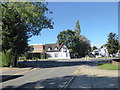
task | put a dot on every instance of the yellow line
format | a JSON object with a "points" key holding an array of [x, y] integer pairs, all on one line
{"points": [[24, 71], [72, 77], [6, 69]]}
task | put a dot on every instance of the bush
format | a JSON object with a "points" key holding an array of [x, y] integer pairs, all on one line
{"points": [[43, 55], [7, 58], [0, 59]]}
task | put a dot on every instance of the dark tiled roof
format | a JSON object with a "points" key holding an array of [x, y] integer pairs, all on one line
{"points": [[38, 48], [52, 47], [46, 48]]}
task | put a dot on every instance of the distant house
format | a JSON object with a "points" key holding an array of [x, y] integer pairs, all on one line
{"points": [[102, 52], [52, 51]]}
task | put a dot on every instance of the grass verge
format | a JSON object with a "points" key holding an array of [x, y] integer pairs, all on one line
{"points": [[109, 66]]}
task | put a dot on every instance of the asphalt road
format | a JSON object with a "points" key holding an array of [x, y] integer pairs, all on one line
{"points": [[54, 77], [45, 74]]}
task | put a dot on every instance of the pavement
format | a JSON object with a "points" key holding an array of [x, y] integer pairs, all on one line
{"points": [[66, 74], [91, 77]]}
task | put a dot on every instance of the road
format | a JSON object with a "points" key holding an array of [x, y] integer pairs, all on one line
{"points": [[48, 74]]}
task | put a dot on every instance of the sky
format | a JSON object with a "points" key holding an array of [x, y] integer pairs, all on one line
{"points": [[97, 20]]}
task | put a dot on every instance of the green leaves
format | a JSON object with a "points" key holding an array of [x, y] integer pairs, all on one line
{"points": [[77, 29], [113, 43], [76, 45], [66, 37], [7, 58], [21, 20], [31, 13]]}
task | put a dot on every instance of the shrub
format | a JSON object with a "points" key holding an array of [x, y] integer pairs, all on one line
{"points": [[0, 59], [7, 58], [43, 55]]}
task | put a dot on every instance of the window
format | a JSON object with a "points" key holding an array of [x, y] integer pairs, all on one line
{"points": [[49, 55], [56, 48], [49, 49], [64, 49], [56, 54]]}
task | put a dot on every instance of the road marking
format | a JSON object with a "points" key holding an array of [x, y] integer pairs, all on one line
{"points": [[24, 71], [7, 69], [72, 77]]}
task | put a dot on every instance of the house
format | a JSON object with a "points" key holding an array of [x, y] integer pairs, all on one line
{"points": [[57, 51], [51, 51], [102, 52], [37, 48], [36, 51], [96, 53]]}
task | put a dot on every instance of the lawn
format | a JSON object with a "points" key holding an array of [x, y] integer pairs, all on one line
{"points": [[103, 57], [109, 66]]}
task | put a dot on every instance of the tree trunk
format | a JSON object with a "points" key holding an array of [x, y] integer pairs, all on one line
{"points": [[15, 60]]}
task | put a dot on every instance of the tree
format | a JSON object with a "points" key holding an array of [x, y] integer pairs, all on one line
{"points": [[94, 48], [76, 46], [77, 29], [112, 43], [85, 46], [69, 39], [20, 21]]}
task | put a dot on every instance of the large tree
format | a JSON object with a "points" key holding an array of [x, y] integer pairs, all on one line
{"points": [[112, 43], [66, 37], [85, 46], [20, 21], [69, 39], [76, 45]]}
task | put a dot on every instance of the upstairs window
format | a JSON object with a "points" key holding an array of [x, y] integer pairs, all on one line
{"points": [[49, 49], [56, 48], [64, 49]]}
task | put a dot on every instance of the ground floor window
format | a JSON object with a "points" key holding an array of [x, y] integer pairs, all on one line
{"points": [[56, 54]]}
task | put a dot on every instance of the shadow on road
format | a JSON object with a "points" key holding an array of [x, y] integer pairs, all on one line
{"points": [[83, 81], [9, 77], [50, 64]]}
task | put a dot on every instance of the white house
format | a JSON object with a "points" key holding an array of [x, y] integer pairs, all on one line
{"points": [[57, 51], [52, 51], [104, 51]]}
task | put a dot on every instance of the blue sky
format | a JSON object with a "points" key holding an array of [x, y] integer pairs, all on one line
{"points": [[97, 20]]}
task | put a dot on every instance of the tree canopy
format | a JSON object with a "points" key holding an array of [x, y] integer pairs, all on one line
{"points": [[94, 47], [112, 43], [20, 21], [77, 45]]}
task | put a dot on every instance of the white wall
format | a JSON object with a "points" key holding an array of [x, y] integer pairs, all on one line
{"points": [[104, 51], [62, 54]]}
